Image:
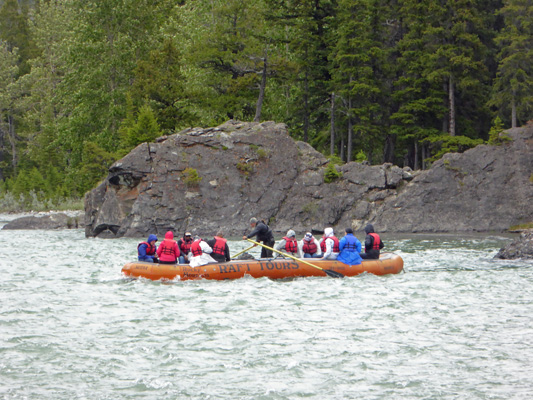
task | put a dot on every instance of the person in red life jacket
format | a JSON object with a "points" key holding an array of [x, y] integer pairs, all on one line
{"points": [[289, 245], [263, 234], [310, 247], [185, 244], [329, 245], [200, 253], [373, 244], [146, 250], [168, 251], [220, 247]]}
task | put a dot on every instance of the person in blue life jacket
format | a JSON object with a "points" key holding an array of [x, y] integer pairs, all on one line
{"points": [[146, 251], [373, 244], [349, 247]]}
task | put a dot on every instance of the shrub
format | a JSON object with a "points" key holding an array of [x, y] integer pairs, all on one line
{"points": [[191, 177], [496, 135], [331, 174], [245, 168]]}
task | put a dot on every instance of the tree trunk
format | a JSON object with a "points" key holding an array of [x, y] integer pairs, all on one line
{"points": [[343, 158], [332, 125], [350, 132], [445, 117], [388, 151], [513, 113], [451, 97], [306, 108], [12, 141], [415, 163], [262, 86]]}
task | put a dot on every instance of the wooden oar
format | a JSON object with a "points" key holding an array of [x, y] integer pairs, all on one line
{"points": [[329, 272], [245, 250]]}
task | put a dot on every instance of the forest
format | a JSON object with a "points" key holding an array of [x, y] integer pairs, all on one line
{"points": [[82, 82]]}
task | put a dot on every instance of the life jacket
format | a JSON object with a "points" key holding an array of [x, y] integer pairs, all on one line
{"points": [[185, 245], [335, 244], [168, 247], [291, 245], [220, 246], [350, 244], [150, 250], [377, 241], [196, 250], [309, 247]]}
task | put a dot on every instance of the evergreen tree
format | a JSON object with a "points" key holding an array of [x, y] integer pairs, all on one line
{"points": [[160, 80], [14, 30], [8, 94], [358, 54], [513, 86]]}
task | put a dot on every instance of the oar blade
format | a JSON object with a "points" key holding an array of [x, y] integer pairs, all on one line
{"points": [[333, 274]]}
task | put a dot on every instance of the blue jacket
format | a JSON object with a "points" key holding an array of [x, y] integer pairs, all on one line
{"points": [[350, 248], [141, 250]]}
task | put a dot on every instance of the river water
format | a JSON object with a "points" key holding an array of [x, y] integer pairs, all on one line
{"points": [[455, 325]]}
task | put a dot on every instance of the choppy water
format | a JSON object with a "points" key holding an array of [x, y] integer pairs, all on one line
{"points": [[456, 325]]}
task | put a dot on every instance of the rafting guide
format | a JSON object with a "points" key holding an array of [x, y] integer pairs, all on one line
{"points": [[263, 234]]}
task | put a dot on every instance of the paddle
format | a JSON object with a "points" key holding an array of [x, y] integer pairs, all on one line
{"points": [[245, 250], [329, 272]]}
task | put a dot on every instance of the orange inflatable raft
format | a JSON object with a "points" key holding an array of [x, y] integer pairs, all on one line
{"points": [[279, 268]]}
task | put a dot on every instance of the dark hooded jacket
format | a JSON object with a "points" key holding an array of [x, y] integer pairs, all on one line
{"points": [[370, 252]]}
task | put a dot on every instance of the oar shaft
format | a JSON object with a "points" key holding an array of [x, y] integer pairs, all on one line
{"points": [[245, 250], [286, 255]]}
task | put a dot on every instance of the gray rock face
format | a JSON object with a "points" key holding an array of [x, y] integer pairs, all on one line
{"points": [[52, 221], [521, 247], [487, 188], [256, 169]]}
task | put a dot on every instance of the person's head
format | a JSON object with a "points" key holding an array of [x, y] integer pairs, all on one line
{"points": [[187, 236], [308, 237], [169, 235], [328, 232], [369, 229], [220, 234], [253, 222], [348, 231], [152, 239], [197, 237], [291, 233]]}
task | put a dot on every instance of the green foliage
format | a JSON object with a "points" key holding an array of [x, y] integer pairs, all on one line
{"points": [[496, 134], [191, 177], [361, 156], [145, 129], [513, 86], [84, 81], [335, 160], [331, 174], [245, 168], [443, 144], [96, 163]]}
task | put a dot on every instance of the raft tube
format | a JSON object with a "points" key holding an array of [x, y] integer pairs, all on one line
{"points": [[279, 268]]}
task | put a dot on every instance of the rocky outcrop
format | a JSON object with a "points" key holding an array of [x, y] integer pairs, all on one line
{"points": [[522, 248], [206, 179], [487, 188], [49, 221]]}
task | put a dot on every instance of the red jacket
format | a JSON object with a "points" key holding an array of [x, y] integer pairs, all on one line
{"points": [[168, 250]]}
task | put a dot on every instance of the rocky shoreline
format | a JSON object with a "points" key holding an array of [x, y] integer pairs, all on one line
{"points": [[207, 179], [45, 220]]}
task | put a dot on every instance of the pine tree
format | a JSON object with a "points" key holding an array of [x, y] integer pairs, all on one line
{"points": [[513, 86], [358, 53]]}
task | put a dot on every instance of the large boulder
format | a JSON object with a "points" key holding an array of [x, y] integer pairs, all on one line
{"points": [[520, 248], [206, 179]]}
